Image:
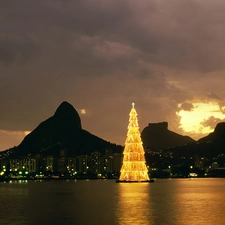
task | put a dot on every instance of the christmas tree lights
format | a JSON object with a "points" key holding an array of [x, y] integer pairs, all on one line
{"points": [[134, 167]]}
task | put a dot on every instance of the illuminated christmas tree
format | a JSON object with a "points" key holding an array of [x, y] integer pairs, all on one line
{"points": [[134, 165]]}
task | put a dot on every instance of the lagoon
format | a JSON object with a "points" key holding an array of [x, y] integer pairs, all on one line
{"points": [[166, 201]]}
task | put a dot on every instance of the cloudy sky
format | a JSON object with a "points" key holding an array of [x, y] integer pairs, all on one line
{"points": [[165, 55]]}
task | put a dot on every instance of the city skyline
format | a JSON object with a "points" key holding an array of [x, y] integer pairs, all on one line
{"points": [[102, 56]]}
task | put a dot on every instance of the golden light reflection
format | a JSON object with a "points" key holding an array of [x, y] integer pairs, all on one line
{"points": [[196, 198], [201, 118], [134, 205]]}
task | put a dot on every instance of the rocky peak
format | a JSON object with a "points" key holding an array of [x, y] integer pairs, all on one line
{"points": [[220, 128], [158, 126], [157, 136], [217, 134], [67, 111]]}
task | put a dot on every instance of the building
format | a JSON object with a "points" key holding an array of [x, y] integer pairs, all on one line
{"points": [[117, 162]]}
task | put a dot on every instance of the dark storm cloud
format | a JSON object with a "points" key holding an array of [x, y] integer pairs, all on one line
{"points": [[211, 121], [186, 106], [20, 50], [99, 55], [176, 34], [212, 95]]}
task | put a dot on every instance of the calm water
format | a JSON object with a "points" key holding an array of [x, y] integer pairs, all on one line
{"points": [[105, 202]]}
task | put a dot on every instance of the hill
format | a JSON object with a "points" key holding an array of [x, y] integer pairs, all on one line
{"points": [[156, 136], [218, 135], [212, 145], [62, 131]]}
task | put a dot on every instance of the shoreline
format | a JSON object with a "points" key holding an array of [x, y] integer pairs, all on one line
{"points": [[152, 180]]}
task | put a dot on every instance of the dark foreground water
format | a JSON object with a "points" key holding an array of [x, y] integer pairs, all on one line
{"points": [[105, 202]]}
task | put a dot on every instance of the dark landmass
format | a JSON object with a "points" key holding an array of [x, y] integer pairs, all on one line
{"points": [[62, 131], [156, 136], [168, 154], [210, 146]]}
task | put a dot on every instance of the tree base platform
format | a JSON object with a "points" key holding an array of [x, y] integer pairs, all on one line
{"points": [[135, 181]]}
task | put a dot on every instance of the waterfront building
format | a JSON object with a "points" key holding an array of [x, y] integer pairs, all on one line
{"points": [[50, 163], [15, 165], [83, 164], [117, 162], [62, 162], [96, 163], [72, 165], [29, 165], [107, 164]]}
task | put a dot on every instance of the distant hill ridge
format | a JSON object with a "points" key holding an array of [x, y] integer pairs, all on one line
{"points": [[210, 146], [63, 131], [217, 135], [156, 136]]}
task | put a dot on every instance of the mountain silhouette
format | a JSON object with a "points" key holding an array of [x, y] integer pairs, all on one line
{"points": [[218, 135], [209, 146], [156, 136], [62, 131]]}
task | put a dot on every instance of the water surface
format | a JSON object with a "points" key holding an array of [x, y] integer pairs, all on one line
{"points": [[167, 201]]}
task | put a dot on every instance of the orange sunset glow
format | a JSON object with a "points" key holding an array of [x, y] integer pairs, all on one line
{"points": [[200, 118]]}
